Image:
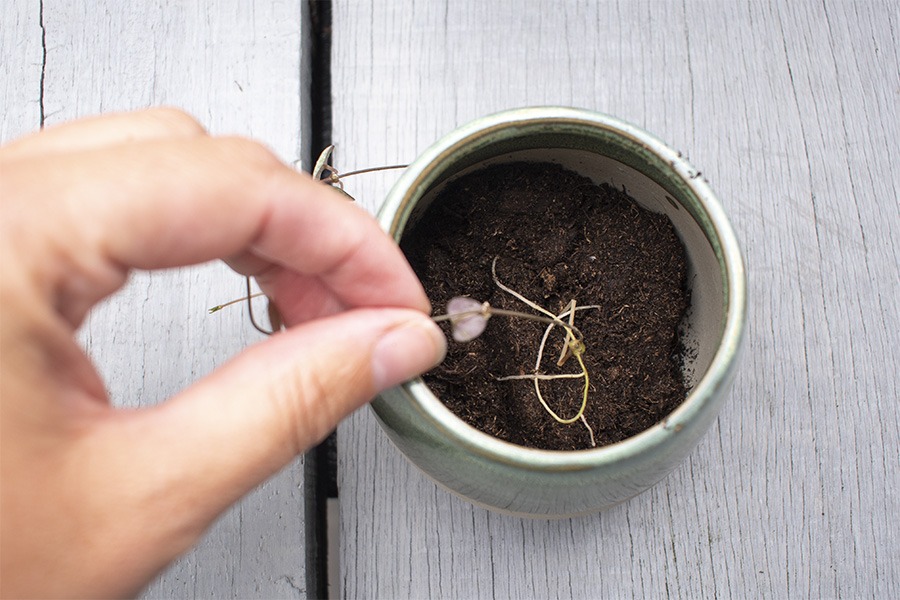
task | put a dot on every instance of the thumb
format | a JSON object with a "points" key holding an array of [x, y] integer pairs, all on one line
{"points": [[215, 441]]}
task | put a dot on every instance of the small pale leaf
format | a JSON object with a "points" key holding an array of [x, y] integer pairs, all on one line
{"points": [[466, 318]]}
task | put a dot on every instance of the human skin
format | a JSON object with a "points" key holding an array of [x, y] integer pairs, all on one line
{"points": [[94, 501]]}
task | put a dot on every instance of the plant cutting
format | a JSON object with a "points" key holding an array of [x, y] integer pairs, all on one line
{"points": [[469, 319]]}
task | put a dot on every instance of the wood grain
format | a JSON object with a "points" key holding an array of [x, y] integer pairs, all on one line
{"points": [[21, 51], [791, 111], [240, 68]]}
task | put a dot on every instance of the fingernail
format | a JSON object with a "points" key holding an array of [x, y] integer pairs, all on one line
{"points": [[406, 351]]}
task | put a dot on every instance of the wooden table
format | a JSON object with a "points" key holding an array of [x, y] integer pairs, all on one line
{"points": [[790, 109]]}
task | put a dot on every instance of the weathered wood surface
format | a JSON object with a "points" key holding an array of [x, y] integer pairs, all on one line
{"points": [[240, 68], [791, 110]]}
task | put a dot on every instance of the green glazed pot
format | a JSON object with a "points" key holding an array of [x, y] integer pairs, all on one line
{"points": [[514, 479]]}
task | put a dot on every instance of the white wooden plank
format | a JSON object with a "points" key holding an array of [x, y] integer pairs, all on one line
{"points": [[21, 61], [240, 68], [791, 110]]}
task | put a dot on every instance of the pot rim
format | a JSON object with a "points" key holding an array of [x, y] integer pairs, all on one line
{"points": [[392, 216]]}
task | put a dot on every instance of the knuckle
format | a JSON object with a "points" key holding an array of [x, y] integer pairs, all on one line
{"points": [[175, 121], [250, 153]]}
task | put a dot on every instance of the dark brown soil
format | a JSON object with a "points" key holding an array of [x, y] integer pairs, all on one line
{"points": [[557, 236]]}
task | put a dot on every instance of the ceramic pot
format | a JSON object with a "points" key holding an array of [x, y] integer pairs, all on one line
{"points": [[514, 479]]}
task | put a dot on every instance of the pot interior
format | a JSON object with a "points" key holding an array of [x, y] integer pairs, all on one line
{"points": [[704, 323]]}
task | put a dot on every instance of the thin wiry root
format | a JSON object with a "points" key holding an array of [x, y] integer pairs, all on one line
{"points": [[590, 431], [541, 376], [577, 350]]}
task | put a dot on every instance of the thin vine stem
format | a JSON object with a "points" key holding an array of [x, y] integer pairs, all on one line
{"points": [[368, 170], [541, 376], [253, 322], [578, 337], [235, 301], [517, 295]]}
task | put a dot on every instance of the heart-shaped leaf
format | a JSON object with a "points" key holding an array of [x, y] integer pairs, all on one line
{"points": [[468, 318]]}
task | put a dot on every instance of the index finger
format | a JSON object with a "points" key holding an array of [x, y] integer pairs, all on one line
{"points": [[104, 130], [177, 202]]}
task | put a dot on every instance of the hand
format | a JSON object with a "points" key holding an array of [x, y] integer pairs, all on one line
{"points": [[95, 501]]}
